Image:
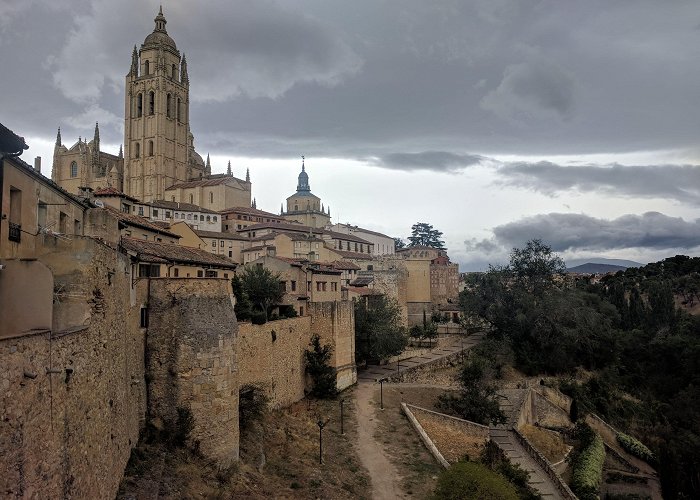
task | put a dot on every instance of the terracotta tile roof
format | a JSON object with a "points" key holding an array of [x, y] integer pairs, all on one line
{"points": [[361, 290], [368, 231], [138, 221], [419, 247], [204, 182], [296, 228], [220, 236], [346, 237], [250, 211], [149, 251], [251, 249], [345, 265], [175, 205], [362, 281]]}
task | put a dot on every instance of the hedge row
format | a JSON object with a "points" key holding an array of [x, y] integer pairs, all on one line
{"points": [[588, 469], [636, 448]]}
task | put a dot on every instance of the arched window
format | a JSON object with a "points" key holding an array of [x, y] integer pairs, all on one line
{"points": [[296, 207], [208, 218], [137, 150], [139, 105], [215, 219], [74, 169], [151, 102], [150, 148], [174, 71], [179, 116], [211, 197], [191, 199], [147, 67], [201, 218], [167, 106]]}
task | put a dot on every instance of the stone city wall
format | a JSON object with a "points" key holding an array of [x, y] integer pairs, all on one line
{"points": [[72, 399], [334, 323], [191, 362]]}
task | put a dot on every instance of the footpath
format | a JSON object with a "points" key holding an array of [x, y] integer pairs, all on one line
{"points": [[386, 483]]}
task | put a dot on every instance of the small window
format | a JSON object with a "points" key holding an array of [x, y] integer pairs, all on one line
{"points": [[167, 214], [178, 110], [146, 68], [150, 148], [155, 212], [221, 243], [174, 72], [168, 103], [283, 286], [230, 254], [208, 218], [74, 169], [189, 216], [308, 286], [139, 105], [211, 274], [201, 219], [215, 218], [137, 150], [151, 102], [301, 311], [141, 211], [176, 272], [334, 286], [191, 198], [144, 317], [200, 274], [226, 275], [211, 197], [294, 286], [213, 243]]}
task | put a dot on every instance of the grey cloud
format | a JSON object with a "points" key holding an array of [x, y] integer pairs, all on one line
{"points": [[532, 90], [677, 182], [575, 232], [482, 246], [440, 161]]}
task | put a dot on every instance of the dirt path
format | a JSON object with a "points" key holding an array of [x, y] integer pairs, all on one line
{"points": [[385, 477]]}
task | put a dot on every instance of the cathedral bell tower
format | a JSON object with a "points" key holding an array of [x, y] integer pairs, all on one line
{"points": [[158, 147]]}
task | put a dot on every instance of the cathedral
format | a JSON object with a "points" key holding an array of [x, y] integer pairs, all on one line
{"points": [[304, 206], [158, 161]]}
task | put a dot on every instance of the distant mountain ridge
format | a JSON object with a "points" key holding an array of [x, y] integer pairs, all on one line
{"points": [[593, 268], [570, 263]]}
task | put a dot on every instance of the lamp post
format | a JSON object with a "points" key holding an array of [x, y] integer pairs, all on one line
{"points": [[342, 430], [321, 424], [381, 394]]}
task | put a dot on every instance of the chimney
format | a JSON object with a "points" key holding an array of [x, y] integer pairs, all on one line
{"points": [[37, 164]]}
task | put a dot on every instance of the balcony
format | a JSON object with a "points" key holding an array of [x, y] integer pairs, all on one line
{"points": [[15, 232]]}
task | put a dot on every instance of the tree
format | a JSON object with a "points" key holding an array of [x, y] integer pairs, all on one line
{"points": [[399, 243], [423, 234], [261, 287], [318, 366], [535, 266], [378, 330]]}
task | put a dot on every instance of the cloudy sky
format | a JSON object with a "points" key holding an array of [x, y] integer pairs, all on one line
{"points": [[496, 121]]}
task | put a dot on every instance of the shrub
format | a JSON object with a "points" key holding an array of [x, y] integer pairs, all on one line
{"points": [[252, 403], [183, 426], [258, 317], [318, 366], [473, 481], [636, 448], [588, 469]]}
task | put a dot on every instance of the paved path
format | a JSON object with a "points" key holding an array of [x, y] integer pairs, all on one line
{"points": [[374, 373], [539, 480]]}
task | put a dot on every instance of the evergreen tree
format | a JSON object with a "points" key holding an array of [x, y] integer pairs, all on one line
{"points": [[423, 234]]}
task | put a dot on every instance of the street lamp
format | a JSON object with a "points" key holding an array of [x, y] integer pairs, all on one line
{"points": [[321, 424], [342, 431], [381, 394]]}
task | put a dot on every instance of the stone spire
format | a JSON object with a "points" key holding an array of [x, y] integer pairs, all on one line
{"points": [[281, 208], [228, 169], [97, 135], [323, 210], [255, 204], [96, 144], [329, 210], [58, 138], [184, 78], [134, 71], [208, 161], [160, 21], [247, 175], [121, 152]]}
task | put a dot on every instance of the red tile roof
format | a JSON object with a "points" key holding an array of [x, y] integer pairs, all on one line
{"points": [[138, 221], [353, 255], [149, 251], [362, 290], [250, 211]]}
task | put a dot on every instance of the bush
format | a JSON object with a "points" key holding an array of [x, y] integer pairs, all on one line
{"points": [[258, 317], [473, 481], [183, 427], [636, 448], [317, 365], [252, 403], [588, 469]]}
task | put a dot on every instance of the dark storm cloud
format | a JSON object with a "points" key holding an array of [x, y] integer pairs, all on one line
{"points": [[440, 161], [575, 232], [271, 77], [676, 182]]}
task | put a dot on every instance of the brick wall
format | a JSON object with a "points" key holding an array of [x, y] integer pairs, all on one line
{"points": [[72, 401]]}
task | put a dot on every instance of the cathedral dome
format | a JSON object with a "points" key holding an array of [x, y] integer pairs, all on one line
{"points": [[160, 35], [303, 183]]}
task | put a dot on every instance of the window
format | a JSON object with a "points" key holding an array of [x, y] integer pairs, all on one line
{"points": [[150, 148], [167, 214], [146, 68], [137, 150], [191, 198], [41, 214], [201, 219], [74, 169], [15, 215], [155, 212], [189, 216], [301, 311], [176, 272], [215, 218], [225, 275], [308, 286], [141, 211], [62, 222], [174, 72], [208, 218], [356, 247], [168, 103], [211, 274], [294, 286], [151, 102], [144, 317], [230, 254], [334, 286], [149, 271], [213, 243], [221, 243], [211, 197], [139, 105], [283, 286], [200, 274], [370, 267]]}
